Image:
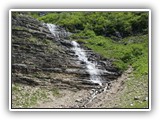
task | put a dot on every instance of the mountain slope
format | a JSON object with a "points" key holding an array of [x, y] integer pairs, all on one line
{"points": [[45, 67]]}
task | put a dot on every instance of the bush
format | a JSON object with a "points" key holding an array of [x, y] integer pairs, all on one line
{"points": [[123, 55], [99, 27], [101, 23], [84, 34]]}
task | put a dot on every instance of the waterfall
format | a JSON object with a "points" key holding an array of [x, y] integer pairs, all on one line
{"points": [[94, 73], [58, 32], [52, 28], [90, 67]]}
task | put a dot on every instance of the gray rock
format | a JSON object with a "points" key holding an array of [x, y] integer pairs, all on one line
{"points": [[146, 99], [78, 100], [136, 97], [38, 57], [19, 68], [53, 69], [76, 71], [66, 43], [19, 65], [131, 104], [83, 62]]}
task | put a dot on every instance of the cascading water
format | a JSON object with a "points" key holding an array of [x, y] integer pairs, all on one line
{"points": [[91, 67], [58, 32], [52, 28]]}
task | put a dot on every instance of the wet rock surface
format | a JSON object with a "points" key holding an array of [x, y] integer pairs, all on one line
{"points": [[41, 59], [35, 50]]}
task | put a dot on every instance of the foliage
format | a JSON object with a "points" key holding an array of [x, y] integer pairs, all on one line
{"points": [[85, 34], [120, 36], [135, 54], [101, 23], [34, 14]]}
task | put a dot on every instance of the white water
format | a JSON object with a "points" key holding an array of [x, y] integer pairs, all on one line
{"points": [[52, 29], [57, 32], [91, 67]]}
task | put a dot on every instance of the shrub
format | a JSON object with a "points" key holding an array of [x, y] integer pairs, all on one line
{"points": [[123, 55], [101, 23]]}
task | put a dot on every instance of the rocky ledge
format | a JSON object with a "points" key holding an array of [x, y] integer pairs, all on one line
{"points": [[39, 58]]}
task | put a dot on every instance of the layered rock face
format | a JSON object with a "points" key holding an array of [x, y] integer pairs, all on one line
{"points": [[39, 58]]}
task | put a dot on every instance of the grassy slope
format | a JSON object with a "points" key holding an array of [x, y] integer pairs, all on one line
{"points": [[123, 53], [24, 96], [131, 51], [136, 93]]}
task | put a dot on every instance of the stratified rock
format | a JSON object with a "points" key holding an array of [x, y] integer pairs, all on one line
{"points": [[66, 43], [19, 68], [42, 58], [53, 69]]}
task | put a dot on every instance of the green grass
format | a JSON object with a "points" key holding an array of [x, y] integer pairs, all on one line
{"points": [[27, 96], [99, 23], [124, 52], [130, 51], [55, 91], [135, 87]]}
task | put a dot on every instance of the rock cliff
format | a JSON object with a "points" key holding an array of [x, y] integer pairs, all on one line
{"points": [[39, 58]]}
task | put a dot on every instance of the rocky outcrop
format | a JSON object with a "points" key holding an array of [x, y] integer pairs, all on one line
{"points": [[38, 58]]}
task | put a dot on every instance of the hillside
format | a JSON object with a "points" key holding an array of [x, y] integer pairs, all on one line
{"points": [[47, 72]]}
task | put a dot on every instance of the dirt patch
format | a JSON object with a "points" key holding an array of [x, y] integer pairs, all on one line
{"points": [[67, 99], [115, 94], [105, 97]]}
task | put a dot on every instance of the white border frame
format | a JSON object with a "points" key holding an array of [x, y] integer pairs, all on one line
{"points": [[79, 109]]}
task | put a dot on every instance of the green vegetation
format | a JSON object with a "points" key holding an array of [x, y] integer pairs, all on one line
{"points": [[27, 96], [123, 54], [136, 94], [101, 23], [119, 36]]}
